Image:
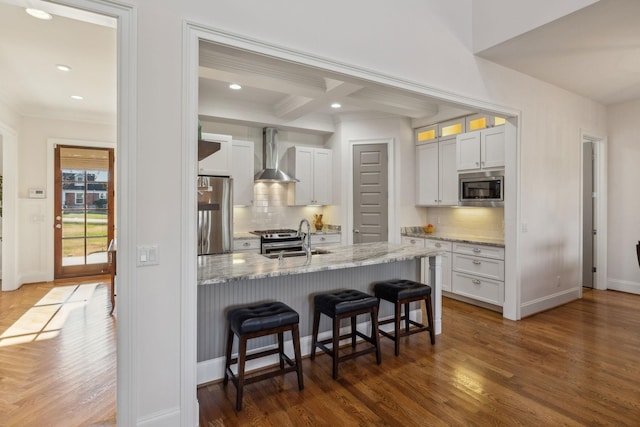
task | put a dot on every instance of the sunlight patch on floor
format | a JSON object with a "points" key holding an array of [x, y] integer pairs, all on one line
{"points": [[47, 317]]}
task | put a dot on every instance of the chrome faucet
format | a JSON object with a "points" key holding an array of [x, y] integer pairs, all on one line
{"points": [[306, 241]]}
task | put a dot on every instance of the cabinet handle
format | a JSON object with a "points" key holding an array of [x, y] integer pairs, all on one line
{"points": [[322, 239], [476, 262], [413, 242], [476, 281], [246, 244], [476, 250], [438, 245], [477, 163]]}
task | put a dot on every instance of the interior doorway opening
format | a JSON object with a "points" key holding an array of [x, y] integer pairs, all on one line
{"points": [[594, 212]]}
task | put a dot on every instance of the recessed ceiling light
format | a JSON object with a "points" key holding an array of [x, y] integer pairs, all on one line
{"points": [[77, 97], [40, 14], [235, 86], [63, 67], [336, 105]]}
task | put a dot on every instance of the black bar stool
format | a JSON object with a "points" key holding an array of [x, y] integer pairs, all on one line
{"points": [[341, 305], [255, 321], [401, 292]]}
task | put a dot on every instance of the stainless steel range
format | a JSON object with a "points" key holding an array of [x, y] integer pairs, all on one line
{"points": [[279, 240]]}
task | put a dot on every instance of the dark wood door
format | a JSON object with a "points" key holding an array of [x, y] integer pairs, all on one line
{"points": [[83, 210]]}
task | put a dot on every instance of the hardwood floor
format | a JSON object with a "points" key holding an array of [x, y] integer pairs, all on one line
{"points": [[575, 365], [57, 355]]}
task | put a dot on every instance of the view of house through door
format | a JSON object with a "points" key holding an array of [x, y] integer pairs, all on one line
{"points": [[370, 195], [84, 219]]}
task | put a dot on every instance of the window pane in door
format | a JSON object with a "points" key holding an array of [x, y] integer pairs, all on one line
{"points": [[85, 178]]}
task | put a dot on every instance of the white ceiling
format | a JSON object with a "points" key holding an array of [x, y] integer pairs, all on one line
{"points": [[30, 48], [594, 52]]}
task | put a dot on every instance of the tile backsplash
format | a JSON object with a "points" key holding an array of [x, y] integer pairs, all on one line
{"points": [[270, 210], [480, 222]]}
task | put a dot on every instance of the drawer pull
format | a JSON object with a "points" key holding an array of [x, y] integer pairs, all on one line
{"points": [[476, 250], [245, 244], [413, 242], [322, 239], [476, 281], [438, 245], [476, 262]]}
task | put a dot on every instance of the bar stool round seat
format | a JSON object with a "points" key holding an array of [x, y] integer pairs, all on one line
{"points": [[401, 292], [258, 320], [341, 305]]}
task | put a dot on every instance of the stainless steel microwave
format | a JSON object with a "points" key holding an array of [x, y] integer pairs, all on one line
{"points": [[481, 188]]}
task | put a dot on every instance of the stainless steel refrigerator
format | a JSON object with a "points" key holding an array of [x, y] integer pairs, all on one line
{"points": [[215, 215]]}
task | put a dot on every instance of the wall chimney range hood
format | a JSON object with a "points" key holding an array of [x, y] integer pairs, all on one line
{"points": [[271, 172]]}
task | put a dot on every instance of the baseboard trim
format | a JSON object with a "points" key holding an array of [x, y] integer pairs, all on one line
{"points": [[168, 418], [623, 286], [550, 301]]}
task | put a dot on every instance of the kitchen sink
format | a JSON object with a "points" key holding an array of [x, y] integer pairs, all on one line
{"points": [[289, 254]]}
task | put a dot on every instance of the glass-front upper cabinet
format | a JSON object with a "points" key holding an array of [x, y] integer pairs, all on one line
{"points": [[426, 134], [451, 128], [483, 121]]}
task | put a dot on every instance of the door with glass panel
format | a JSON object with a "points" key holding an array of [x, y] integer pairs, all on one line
{"points": [[84, 220]]}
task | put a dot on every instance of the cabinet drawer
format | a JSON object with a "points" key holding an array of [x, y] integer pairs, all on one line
{"points": [[325, 239], [479, 250], [240, 245], [485, 267], [415, 241], [437, 244], [491, 291]]}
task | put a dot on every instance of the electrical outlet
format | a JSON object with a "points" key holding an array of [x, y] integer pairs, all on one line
{"points": [[525, 227], [438, 220], [557, 281]]}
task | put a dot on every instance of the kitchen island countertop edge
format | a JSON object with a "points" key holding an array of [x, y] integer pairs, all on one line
{"points": [[225, 268]]}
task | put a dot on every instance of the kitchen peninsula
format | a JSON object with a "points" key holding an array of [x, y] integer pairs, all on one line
{"points": [[243, 278]]}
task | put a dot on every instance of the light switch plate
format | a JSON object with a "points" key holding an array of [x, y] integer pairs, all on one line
{"points": [[147, 255]]}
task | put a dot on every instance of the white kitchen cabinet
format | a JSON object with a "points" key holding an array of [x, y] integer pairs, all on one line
{"points": [[478, 272], [481, 149], [483, 121], [426, 134], [246, 245], [312, 167], [436, 177], [325, 239], [451, 128], [413, 241], [242, 172], [446, 261], [220, 162]]}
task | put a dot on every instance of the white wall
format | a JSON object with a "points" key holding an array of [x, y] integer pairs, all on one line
{"points": [[624, 203], [496, 21], [35, 251], [414, 40]]}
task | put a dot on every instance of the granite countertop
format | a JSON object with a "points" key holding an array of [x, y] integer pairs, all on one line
{"points": [[240, 266], [462, 238]]}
